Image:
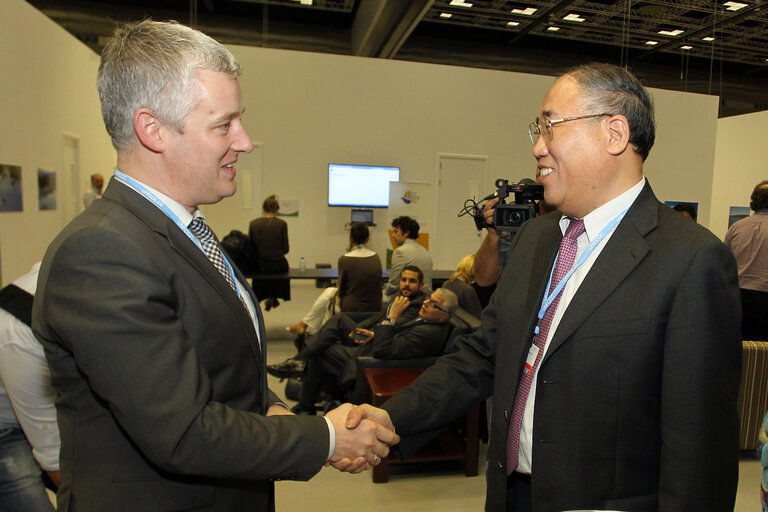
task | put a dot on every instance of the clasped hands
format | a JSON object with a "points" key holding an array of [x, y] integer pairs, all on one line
{"points": [[363, 437]]}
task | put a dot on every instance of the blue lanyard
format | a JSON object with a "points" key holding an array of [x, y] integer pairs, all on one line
{"points": [[152, 198], [549, 298]]}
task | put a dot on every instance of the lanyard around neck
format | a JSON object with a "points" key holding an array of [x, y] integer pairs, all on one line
{"points": [[549, 298], [152, 198]]}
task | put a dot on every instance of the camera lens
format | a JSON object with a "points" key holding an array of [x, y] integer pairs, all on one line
{"points": [[513, 217]]}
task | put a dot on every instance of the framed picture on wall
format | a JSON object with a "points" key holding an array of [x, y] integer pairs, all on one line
{"points": [[46, 189], [10, 188]]}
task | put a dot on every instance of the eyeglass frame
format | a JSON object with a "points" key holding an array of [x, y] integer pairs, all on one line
{"points": [[535, 127], [433, 303]]}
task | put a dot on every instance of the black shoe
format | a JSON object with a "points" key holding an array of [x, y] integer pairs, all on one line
{"points": [[297, 409], [271, 303], [288, 369]]}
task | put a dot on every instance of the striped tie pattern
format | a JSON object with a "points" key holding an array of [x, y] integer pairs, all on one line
{"points": [[565, 259], [211, 248]]}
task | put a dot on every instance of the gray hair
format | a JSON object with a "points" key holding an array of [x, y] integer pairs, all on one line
{"points": [[450, 300], [615, 90], [151, 64]]}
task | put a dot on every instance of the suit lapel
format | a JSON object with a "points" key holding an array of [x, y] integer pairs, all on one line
{"points": [[621, 254], [180, 242]]}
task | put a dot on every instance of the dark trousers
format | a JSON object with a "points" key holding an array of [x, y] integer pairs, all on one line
{"points": [[518, 492], [754, 307], [326, 356]]}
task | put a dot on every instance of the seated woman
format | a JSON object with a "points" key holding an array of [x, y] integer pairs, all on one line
{"points": [[460, 283], [358, 288]]}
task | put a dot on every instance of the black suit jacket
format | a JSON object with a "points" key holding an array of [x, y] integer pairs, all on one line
{"points": [[636, 398], [161, 389]]}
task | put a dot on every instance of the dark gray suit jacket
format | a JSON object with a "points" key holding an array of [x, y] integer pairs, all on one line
{"points": [[160, 379], [636, 397]]}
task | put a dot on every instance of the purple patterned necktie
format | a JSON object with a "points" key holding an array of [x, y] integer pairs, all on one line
{"points": [[565, 259]]}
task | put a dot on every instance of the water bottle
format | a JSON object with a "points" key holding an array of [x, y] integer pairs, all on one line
{"points": [[302, 265]]}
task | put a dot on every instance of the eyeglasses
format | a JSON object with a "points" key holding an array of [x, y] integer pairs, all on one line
{"points": [[434, 304], [536, 128]]}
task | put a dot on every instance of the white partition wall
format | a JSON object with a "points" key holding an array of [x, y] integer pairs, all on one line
{"points": [[307, 110]]}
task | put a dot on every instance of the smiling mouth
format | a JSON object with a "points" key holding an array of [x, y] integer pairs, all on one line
{"points": [[546, 170]]}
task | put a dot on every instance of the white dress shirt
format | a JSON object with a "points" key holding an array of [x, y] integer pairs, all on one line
{"points": [[594, 223], [26, 395]]}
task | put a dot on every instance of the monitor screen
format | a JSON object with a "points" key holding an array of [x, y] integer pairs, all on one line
{"points": [[360, 185]]}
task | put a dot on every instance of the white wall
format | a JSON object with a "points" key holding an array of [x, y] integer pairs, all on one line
{"points": [[47, 90], [307, 110], [311, 109], [741, 162]]}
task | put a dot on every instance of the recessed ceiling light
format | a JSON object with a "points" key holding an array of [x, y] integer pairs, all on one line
{"points": [[686, 47], [574, 17], [708, 38], [651, 43], [445, 15], [513, 23], [553, 29], [528, 11], [305, 2], [734, 6], [675, 32], [461, 3]]}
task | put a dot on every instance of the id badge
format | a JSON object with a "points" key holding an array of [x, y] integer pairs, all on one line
{"points": [[531, 359]]}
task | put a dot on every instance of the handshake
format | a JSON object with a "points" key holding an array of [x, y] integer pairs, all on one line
{"points": [[363, 437]]}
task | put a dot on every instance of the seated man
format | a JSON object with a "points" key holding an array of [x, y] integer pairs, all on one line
{"points": [[405, 231], [389, 339], [339, 325]]}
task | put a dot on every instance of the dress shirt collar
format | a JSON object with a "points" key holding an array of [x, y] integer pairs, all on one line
{"points": [[596, 220], [182, 213]]}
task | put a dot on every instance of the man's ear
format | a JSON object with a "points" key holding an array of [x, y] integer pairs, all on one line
{"points": [[149, 130], [421, 285], [618, 134]]}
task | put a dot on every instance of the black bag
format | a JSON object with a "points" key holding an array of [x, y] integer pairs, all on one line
{"points": [[240, 250]]}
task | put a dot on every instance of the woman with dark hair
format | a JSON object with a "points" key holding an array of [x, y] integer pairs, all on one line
{"points": [[358, 288], [269, 238]]}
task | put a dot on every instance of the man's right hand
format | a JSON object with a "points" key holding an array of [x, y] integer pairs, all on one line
{"points": [[365, 443]]}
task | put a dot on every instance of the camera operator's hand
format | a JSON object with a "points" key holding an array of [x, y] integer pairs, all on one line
{"points": [[488, 210]]}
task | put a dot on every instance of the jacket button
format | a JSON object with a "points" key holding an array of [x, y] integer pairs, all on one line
{"points": [[506, 415], [501, 466]]}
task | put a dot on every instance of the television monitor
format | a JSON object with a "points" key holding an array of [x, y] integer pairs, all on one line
{"points": [[362, 215], [362, 186]]}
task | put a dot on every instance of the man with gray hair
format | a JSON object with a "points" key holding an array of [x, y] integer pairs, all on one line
{"points": [[612, 345], [155, 342]]}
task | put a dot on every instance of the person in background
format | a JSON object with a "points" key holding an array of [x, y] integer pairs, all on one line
{"points": [[686, 209], [358, 287], [337, 328], [748, 239], [94, 193], [155, 342], [391, 338], [461, 283], [405, 231], [29, 434], [269, 239]]}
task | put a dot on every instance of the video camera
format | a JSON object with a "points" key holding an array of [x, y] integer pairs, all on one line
{"points": [[508, 217]]}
